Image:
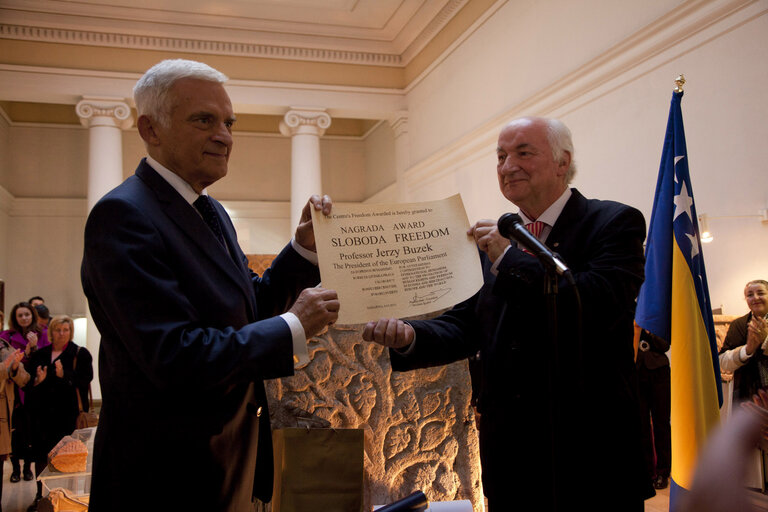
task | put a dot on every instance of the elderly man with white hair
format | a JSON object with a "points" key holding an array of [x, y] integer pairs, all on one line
{"points": [[559, 419]]}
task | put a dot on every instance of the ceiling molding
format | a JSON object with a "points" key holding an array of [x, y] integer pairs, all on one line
{"points": [[341, 45], [233, 49]]}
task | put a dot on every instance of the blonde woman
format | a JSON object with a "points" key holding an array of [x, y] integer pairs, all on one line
{"points": [[60, 371]]}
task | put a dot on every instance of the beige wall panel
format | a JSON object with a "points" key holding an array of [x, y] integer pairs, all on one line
{"points": [[380, 159], [259, 170], [343, 164], [44, 255], [47, 162]]}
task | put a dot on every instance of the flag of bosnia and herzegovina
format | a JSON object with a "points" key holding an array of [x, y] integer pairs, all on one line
{"points": [[674, 304]]}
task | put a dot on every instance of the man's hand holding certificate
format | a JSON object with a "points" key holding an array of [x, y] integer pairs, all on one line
{"points": [[397, 260]]}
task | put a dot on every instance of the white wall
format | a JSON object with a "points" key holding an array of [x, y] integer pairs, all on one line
{"points": [[607, 69]]}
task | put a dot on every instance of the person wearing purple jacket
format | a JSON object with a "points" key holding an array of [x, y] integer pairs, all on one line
{"points": [[27, 335]]}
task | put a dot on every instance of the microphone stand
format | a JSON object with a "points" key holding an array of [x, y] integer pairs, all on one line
{"points": [[550, 296]]}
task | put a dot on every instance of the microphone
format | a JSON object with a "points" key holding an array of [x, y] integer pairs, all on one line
{"points": [[416, 502], [510, 226]]}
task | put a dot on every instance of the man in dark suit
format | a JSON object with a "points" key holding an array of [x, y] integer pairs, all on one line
{"points": [[188, 332], [559, 418]]}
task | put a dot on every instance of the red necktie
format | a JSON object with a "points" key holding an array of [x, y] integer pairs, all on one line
{"points": [[535, 229]]}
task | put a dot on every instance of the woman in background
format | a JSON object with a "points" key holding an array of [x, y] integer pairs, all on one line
{"points": [[745, 351], [26, 335], [12, 375], [60, 371]]}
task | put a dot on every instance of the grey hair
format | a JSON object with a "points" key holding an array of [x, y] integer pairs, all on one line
{"points": [[559, 139], [756, 281], [151, 91]]}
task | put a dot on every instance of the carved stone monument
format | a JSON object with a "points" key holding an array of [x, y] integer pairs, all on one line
{"points": [[419, 426]]}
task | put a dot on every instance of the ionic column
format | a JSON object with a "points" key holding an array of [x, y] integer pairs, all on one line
{"points": [[399, 125], [105, 119], [305, 126]]}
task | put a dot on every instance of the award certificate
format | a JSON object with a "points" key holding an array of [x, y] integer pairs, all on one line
{"points": [[397, 260]]}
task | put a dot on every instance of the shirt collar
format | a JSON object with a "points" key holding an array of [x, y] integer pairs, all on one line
{"points": [[550, 215], [177, 182]]}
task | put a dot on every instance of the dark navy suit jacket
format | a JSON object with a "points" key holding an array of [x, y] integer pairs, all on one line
{"points": [[591, 410], [188, 333]]}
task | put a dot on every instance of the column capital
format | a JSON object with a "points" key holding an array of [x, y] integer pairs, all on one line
{"points": [[100, 111], [305, 120]]}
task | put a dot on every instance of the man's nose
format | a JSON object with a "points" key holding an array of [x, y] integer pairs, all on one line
{"points": [[223, 135], [508, 165]]}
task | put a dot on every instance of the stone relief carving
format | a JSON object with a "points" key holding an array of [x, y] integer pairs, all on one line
{"points": [[419, 426]]}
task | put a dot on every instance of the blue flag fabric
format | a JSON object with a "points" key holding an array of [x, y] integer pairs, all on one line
{"points": [[674, 304]]}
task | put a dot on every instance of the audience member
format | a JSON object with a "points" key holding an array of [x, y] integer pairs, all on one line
{"points": [[36, 300], [12, 375], [653, 381], [560, 418], [25, 334], [43, 315], [745, 351], [59, 372]]}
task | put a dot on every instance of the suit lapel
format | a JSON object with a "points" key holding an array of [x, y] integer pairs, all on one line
{"points": [[559, 237], [187, 219]]}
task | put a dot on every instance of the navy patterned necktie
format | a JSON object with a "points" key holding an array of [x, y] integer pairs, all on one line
{"points": [[205, 207]]}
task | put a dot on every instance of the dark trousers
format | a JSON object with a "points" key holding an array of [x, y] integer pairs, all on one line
{"points": [[654, 409]]}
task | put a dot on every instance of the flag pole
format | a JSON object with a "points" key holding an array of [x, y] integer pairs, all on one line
{"points": [[679, 82]]}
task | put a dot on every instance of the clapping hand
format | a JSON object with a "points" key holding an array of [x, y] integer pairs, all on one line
{"points": [[13, 360], [42, 373], [31, 342]]}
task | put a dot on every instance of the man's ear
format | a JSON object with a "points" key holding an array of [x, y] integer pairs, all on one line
{"points": [[147, 131]]}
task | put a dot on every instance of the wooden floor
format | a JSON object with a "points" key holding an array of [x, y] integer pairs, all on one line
{"points": [[659, 503]]}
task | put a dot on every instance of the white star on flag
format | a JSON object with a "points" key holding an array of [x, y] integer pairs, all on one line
{"points": [[677, 159], [683, 203], [694, 245]]}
